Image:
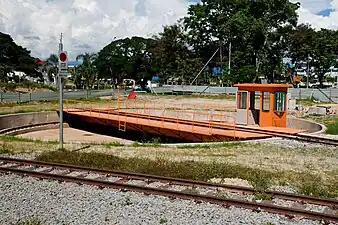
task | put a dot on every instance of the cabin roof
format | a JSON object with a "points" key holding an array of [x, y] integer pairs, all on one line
{"points": [[262, 87]]}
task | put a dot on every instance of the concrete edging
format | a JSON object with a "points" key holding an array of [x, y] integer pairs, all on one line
{"points": [[12, 121], [309, 126]]}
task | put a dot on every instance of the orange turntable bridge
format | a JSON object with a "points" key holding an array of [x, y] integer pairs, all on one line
{"points": [[193, 123]]}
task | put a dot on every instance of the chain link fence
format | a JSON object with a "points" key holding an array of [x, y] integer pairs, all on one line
{"points": [[49, 96]]}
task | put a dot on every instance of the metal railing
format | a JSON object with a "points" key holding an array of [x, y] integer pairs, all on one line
{"points": [[186, 117]]}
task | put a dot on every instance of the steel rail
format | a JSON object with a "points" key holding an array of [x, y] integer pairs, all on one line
{"points": [[178, 181], [290, 212], [299, 137]]}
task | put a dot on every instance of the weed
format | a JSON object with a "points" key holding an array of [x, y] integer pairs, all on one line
{"points": [[331, 123], [12, 138], [313, 186], [262, 196], [4, 149], [127, 201], [269, 223], [306, 101], [222, 194], [163, 220], [259, 180], [136, 144], [28, 222], [332, 128], [195, 170], [113, 144], [190, 191], [209, 146]]}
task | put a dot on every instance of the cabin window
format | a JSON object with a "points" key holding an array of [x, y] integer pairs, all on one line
{"points": [[266, 102], [279, 101], [243, 98]]}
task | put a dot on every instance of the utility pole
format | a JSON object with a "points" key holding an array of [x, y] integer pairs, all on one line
{"points": [[60, 98], [229, 57], [308, 72], [220, 51]]}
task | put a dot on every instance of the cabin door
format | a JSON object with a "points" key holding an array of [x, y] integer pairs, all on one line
{"points": [[243, 102]]}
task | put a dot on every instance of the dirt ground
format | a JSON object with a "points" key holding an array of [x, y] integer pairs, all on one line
{"points": [[72, 135]]}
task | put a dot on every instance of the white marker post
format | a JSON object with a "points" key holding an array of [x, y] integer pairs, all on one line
{"points": [[63, 70]]}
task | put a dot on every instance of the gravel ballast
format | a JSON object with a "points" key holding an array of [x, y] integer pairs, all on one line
{"points": [[68, 203]]}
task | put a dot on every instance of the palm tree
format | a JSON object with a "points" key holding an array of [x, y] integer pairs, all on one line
{"points": [[51, 67], [87, 70]]}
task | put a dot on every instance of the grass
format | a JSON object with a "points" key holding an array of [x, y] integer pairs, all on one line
{"points": [[331, 123], [210, 146], [11, 138], [311, 101], [262, 196], [4, 149], [43, 106], [261, 179], [25, 84], [306, 102], [113, 144]]}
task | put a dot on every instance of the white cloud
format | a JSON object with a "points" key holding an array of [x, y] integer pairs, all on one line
{"points": [[37, 24], [308, 15], [88, 25], [314, 6]]}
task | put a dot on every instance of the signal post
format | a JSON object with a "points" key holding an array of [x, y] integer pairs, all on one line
{"points": [[63, 71]]}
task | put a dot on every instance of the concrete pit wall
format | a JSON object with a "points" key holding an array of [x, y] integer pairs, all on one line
{"points": [[8, 122], [308, 126], [11, 121]]}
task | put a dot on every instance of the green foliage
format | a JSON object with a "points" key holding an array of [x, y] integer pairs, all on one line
{"points": [[113, 144], [259, 34], [313, 186], [25, 84], [4, 150], [51, 67], [254, 28], [332, 128], [331, 123], [128, 58], [260, 181], [86, 73], [15, 58], [319, 48], [263, 196]]}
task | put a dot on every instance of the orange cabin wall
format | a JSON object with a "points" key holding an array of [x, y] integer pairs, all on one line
{"points": [[270, 118]]}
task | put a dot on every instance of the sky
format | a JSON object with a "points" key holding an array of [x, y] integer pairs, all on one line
{"points": [[89, 25]]}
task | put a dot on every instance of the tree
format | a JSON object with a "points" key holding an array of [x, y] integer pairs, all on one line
{"points": [[247, 24], [126, 58], [318, 48], [87, 70], [324, 53], [15, 58], [172, 56], [51, 66]]}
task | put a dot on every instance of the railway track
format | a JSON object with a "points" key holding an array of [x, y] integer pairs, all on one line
{"points": [[299, 137], [170, 187]]}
